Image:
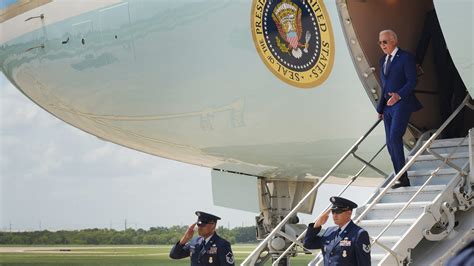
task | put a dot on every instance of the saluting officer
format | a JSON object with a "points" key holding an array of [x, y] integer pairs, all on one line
{"points": [[206, 249], [344, 244]]}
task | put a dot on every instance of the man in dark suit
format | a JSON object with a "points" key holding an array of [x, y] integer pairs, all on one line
{"points": [[397, 101], [344, 244], [206, 249]]}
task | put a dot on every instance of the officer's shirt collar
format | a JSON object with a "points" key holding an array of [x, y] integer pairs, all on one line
{"points": [[344, 226], [208, 238]]}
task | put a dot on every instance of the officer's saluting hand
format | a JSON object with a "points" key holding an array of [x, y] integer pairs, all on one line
{"points": [[206, 249], [188, 235], [322, 220], [344, 244]]}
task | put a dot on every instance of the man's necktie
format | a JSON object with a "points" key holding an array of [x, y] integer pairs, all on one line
{"points": [[203, 243], [338, 232], [387, 65], [201, 249]]}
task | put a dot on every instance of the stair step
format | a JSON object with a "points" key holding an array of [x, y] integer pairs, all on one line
{"points": [[436, 180], [448, 142], [376, 257], [394, 200], [416, 188], [388, 241], [429, 157], [449, 145], [428, 172], [442, 177], [374, 227], [430, 162], [399, 205], [383, 222], [403, 194], [389, 210], [448, 150], [385, 239]]}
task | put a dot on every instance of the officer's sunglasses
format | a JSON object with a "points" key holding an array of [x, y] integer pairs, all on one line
{"points": [[383, 41]]}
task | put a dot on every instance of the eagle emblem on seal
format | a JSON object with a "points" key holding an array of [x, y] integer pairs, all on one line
{"points": [[287, 18]]}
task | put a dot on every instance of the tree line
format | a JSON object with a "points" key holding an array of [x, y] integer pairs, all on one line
{"points": [[96, 236]]}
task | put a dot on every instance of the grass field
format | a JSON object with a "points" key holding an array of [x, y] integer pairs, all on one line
{"points": [[109, 255]]}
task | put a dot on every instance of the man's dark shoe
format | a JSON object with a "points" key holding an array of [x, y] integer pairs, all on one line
{"points": [[401, 184]]}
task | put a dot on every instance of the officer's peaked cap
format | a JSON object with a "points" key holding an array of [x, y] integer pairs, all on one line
{"points": [[204, 218], [342, 204]]}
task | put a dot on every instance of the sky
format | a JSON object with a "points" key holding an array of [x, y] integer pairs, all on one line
{"points": [[56, 177]]}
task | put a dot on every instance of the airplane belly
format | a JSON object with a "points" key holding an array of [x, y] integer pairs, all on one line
{"points": [[183, 80], [456, 20]]}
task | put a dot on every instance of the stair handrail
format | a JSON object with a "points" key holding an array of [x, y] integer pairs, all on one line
{"points": [[353, 178], [423, 147], [412, 159], [260, 247], [428, 180], [405, 168], [295, 209], [433, 174]]}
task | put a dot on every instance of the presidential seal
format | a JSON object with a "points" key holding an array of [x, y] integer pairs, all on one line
{"points": [[294, 40]]}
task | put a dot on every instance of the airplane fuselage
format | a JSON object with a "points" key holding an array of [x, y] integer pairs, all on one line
{"points": [[190, 80]]}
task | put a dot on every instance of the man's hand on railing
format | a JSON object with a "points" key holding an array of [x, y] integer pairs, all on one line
{"points": [[322, 219]]}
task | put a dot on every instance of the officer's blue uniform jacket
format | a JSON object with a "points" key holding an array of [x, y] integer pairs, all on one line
{"points": [[351, 247], [216, 251]]}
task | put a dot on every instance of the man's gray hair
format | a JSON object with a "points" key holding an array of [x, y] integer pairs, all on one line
{"points": [[391, 32]]}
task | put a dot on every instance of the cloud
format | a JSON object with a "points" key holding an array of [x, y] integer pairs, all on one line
{"points": [[33, 142], [65, 178], [17, 111]]}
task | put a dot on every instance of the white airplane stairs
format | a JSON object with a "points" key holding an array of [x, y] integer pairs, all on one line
{"points": [[399, 219], [424, 224]]}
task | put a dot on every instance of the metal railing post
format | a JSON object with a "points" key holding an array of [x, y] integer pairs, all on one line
{"points": [[277, 228], [340, 193], [412, 160]]}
